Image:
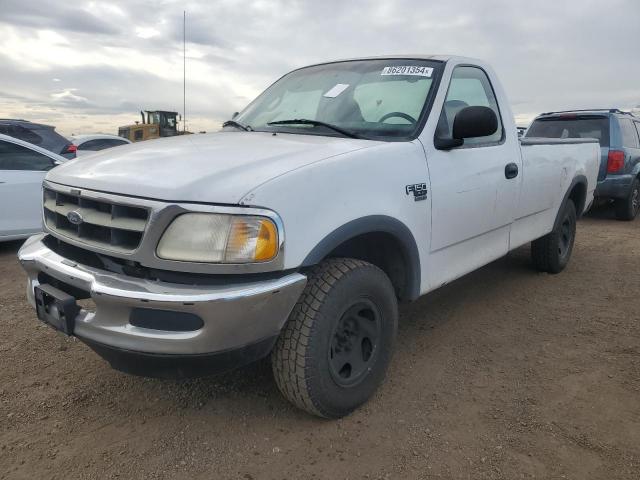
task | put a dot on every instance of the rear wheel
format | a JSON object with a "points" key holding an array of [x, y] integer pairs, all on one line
{"points": [[627, 208], [552, 252], [334, 351]]}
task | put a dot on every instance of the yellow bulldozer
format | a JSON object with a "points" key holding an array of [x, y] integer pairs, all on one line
{"points": [[155, 124]]}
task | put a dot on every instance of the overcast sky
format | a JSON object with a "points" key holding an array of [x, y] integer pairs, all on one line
{"points": [[91, 66]]}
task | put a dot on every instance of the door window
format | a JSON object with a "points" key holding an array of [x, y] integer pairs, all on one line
{"points": [[17, 157], [469, 87], [112, 143], [100, 144], [91, 145]]}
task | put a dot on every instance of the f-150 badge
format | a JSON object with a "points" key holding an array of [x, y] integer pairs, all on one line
{"points": [[419, 191]]}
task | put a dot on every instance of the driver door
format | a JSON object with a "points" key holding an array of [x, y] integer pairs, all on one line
{"points": [[473, 204]]}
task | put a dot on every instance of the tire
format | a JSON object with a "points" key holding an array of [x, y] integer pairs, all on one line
{"points": [[552, 252], [337, 344], [627, 208]]}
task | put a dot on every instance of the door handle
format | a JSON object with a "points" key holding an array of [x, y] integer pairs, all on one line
{"points": [[511, 170]]}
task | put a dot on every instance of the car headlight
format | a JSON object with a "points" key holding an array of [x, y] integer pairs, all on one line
{"points": [[219, 238]]}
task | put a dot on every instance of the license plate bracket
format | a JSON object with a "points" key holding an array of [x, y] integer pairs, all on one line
{"points": [[56, 308]]}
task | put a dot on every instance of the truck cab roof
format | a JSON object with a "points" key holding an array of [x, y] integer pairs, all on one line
{"points": [[431, 57]]}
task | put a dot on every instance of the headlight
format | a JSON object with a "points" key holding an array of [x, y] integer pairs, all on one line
{"points": [[219, 238]]}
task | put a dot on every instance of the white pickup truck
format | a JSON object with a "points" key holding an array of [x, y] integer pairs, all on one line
{"points": [[342, 189]]}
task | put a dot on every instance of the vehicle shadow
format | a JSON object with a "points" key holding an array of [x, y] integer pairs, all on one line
{"points": [[251, 390], [602, 211]]}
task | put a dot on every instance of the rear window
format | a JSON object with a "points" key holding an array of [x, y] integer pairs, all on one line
{"points": [[571, 127], [21, 133]]}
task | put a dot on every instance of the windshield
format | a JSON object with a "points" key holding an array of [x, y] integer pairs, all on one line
{"points": [[572, 127], [378, 99]]}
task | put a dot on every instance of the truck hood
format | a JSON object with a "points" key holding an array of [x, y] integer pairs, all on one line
{"points": [[214, 168]]}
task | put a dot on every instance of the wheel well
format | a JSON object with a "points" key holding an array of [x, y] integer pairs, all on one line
{"points": [[579, 195], [384, 251]]}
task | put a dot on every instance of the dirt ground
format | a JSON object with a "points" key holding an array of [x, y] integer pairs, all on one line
{"points": [[506, 373]]}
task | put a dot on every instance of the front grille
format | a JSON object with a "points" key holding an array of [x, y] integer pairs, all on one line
{"points": [[100, 223]]}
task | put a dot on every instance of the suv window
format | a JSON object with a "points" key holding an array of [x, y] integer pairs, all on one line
{"points": [[27, 135], [21, 133], [629, 134], [17, 157], [637, 124], [469, 87], [571, 126]]}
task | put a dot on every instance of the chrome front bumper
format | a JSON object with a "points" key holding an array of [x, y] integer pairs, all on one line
{"points": [[234, 315]]}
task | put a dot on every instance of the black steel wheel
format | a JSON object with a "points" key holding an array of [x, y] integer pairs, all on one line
{"points": [[355, 343], [552, 252]]}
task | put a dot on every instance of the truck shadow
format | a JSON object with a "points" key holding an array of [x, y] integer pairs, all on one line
{"points": [[252, 391]]}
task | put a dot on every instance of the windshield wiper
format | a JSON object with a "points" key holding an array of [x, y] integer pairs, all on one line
{"points": [[241, 126], [305, 121]]}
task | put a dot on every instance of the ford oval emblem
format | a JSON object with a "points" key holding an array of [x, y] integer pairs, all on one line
{"points": [[75, 217]]}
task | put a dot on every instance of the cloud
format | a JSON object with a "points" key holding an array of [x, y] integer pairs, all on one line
{"points": [[147, 32], [113, 58], [68, 98], [52, 15]]}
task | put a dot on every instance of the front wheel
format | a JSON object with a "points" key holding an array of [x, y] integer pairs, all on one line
{"points": [[627, 208], [335, 348], [552, 252]]}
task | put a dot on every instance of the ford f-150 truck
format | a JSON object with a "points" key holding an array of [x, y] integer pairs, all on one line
{"points": [[342, 189]]}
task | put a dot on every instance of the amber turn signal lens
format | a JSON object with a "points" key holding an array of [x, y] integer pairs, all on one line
{"points": [[267, 242]]}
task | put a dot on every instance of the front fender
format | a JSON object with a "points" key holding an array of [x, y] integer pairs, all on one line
{"points": [[374, 224], [328, 202]]}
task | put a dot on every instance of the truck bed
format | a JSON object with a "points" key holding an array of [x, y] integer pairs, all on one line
{"points": [[549, 166]]}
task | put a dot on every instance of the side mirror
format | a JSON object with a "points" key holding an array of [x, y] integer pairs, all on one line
{"points": [[235, 114], [470, 122]]}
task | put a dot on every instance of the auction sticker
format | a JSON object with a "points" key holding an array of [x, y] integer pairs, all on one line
{"points": [[408, 70], [337, 90]]}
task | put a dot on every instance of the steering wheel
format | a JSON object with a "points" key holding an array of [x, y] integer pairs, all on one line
{"points": [[405, 116]]}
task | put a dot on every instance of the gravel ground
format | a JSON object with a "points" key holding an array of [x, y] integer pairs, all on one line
{"points": [[506, 373]]}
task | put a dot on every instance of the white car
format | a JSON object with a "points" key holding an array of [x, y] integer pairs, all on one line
{"points": [[86, 144], [342, 189], [23, 167]]}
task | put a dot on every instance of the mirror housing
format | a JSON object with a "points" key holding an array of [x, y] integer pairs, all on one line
{"points": [[235, 114], [470, 122]]}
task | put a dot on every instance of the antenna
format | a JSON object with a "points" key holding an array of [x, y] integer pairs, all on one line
{"points": [[184, 71]]}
